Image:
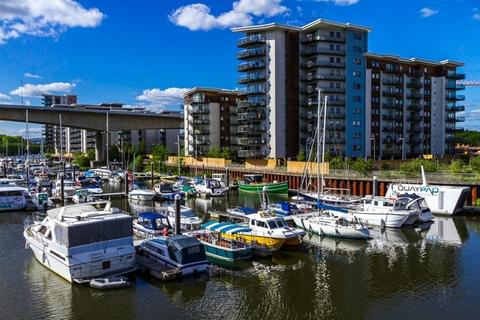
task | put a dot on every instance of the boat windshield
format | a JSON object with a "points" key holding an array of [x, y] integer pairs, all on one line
{"points": [[276, 223], [401, 204], [161, 223], [187, 214]]}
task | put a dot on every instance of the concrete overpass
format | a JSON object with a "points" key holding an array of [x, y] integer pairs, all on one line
{"points": [[94, 118]]}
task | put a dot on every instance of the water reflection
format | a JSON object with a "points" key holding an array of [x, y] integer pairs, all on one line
{"points": [[422, 272]]}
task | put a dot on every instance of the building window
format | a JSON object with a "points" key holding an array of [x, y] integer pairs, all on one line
{"points": [[332, 59], [357, 98], [357, 86], [332, 34], [356, 123], [357, 61], [339, 34]]}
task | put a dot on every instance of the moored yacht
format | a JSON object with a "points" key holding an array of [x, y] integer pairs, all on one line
{"points": [[82, 242]]}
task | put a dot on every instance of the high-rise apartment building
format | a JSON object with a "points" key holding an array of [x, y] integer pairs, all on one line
{"points": [[411, 106], [208, 116], [52, 134], [282, 67]]}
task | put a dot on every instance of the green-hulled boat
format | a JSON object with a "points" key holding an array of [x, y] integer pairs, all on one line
{"points": [[253, 183]]}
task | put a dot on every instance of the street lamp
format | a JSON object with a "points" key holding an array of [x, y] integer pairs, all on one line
{"points": [[403, 148]]}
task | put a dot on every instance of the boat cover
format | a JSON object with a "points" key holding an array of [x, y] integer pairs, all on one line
{"points": [[223, 227]]}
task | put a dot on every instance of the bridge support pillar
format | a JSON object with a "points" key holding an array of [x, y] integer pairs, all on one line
{"points": [[99, 147]]}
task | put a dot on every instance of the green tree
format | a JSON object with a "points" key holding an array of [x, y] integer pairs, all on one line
{"points": [[456, 166], [226, 153], [475, 163], [114, 154], [301, 156], [362, 166], [137, 164], [214, 152], [82, 160]]}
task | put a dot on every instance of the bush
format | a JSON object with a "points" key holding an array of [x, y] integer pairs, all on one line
{"points": [[414, 166], [301, 156], [475, 164], [362, 166], [456, 166], [137, 164]]}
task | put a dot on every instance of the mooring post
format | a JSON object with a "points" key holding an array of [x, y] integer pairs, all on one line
{"points": [[177, 214], [227, 177], [64, 167], [62, 194], [126, 183], [74, 173], [375, 186], [152, 175]]}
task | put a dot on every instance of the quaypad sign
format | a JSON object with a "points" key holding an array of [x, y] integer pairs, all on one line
{"points": [[405, 188]]}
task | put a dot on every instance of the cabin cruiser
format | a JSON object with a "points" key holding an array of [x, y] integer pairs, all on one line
{"points": [[69, 188], [92, 186], [447, 200], [241, 212], [325, 223], [83, 242], [140, 192], [183, 253], [149, 224], [166, 191], [188, 220], [210, 187], [388, 212], [82, 196], [13, 198]]}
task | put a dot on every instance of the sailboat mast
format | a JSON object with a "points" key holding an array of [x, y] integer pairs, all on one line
{"points": [[319, 93], [27, 135], [323, 139]]}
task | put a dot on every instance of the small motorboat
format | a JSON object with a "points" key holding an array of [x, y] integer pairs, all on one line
{"points": [[220, 247], [110, 283], [241, 212], [149, 224], [188, 220], [140, 192]]}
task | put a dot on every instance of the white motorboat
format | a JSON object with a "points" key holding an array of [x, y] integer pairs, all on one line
{"points": [[440, 199], [211, 187], [183, 253], [82, 196], [388, 212], [69, 188], [188, 220], [140, 192], [327, 224], [81, 242], [110, 283], [149, 224], [13, 198]]}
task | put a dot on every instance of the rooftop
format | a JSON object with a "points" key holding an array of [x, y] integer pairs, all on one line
{"points": [[314, 24], [414, 60], [209, 90]]}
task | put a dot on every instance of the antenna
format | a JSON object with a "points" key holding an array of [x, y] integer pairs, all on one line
{"points": [[424, 180]]}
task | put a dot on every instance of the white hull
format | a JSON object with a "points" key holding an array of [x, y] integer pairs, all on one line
{"points": [[329, 229], [381, 219], [141, 196], [11, 206]]}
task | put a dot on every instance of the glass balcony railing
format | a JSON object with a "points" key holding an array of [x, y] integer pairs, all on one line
{"points": [[251, 65], [248, 53], [309, 38], [318, 50], [454, 75], [252, 77], [251, 40], [251, 90], [252, 103], [315, 76], [454, 108], [454, 86], [455, 97], [326, 64]]}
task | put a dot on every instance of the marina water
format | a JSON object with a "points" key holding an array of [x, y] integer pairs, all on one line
{"points": [[404, 273]]}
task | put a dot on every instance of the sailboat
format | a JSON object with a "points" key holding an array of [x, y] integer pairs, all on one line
{"points": [[326, 222]]}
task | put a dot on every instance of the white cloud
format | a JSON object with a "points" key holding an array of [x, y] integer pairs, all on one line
{"points": [[36, 90], [46, 18], [4, 98], [157, 99], [341, 2], [428, 12], [198, 16], [31, 75], [476, 16]]}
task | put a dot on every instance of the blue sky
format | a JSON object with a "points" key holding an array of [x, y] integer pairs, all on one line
{"points": [[148, 52]]}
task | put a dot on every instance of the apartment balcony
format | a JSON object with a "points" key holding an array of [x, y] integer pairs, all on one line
{"points": [[393, 94], [250, 53], [336, 115], [339, 103], [251, 90], [201, 131], [250, 141], [455, 76], [415, 118], [449, 139], [392, 105], [414, 130], [392, 81], [251, 40], [251, 128], [449, 130], [454, 86], [322, 64], [391, 153], [392, 117], [248, 116], [199, 110], [417, 73], [392, 140], [393, 69], [327, 51], [332, 90], [199, 121], [455, 108], [455, 119], [251, 65], [201, 141], [415, 85], [453, 97], [312, 77], [392, 129], [251, 153], [414, 96], [252, 103], [252, 77], [311, 38], [414, 107]]}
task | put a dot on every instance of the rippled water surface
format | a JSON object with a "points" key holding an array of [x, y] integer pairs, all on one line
{"points": [[409, 273]]}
